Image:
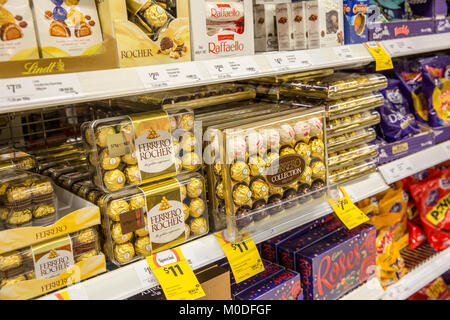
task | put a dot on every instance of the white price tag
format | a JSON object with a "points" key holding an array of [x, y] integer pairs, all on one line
{"points": [[284, 61], [77, 292], [344, 52], [162, 76], [145, 274], [232, 67], [398, 47], [17, 91], [397, 170]]}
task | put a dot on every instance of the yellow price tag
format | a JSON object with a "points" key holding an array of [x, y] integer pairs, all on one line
{"points": [[242, 255], [350, 215], [175, 276], [382, 58], [64, 295]]}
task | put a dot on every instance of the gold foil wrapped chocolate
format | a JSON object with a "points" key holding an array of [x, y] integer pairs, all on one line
{"points": [[116, 208], [133, 175], [198, 226], [187, 231], [118, 236], [129, 159], [137, 202], [196, 207], [188, 141], [306, 176], [85, 236], [220, 190], [18, 194], [107, 162], [10, 281], [271, 158], [10, 260], [190, 161], [186, 211], [257, 165], [114, 180], [124, 252], [101, 135], [186, 122], [18, 217], [43, 210], [241, 194], [239, 171], [143, 247], [275, 190], [317, 148], [183, 191], [155, 16], [304, 151], [287, 150], [142, 232], [218, 167], [318, 170], [259, 189], [194, 188], [86, 255]]}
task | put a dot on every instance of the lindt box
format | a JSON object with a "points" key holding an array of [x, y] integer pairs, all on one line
{"points": [[265, 27], [269, 247], [285, 285], [269, 271], [337, 264], [286, 252], [325, 25], [221, 28]]}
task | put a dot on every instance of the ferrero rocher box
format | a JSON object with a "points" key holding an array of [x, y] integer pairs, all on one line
{"points": [[50, 265], [132, 150], [140, 221], [69, 34], [148, 32], [263, 167]]}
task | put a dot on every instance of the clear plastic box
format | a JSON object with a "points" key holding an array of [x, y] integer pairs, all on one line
{"points": [[335, 86], [259, 163], [350, 139], [67, 180], [353, 122], [196, 97], [292, 76], [140, 148], [68, 158], [351, 156], [67, 167], [155, 217], [11, 158], [352, 172], [26, 199], [348, 106]]}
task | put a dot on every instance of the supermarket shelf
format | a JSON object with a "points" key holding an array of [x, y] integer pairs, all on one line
{"points": [[419, 161], [413, 281], [134, 278], [19, 94]]}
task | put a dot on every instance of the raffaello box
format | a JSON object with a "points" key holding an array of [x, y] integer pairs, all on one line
{"points": [[337, 264], [221, 28]]}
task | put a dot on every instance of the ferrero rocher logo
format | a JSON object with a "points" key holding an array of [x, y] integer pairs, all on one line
{"points": [[152, 134], [53, 254], [287, 170], [164, 204]]}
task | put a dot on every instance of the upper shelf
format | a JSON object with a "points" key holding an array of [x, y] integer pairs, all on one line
{"points": [[20, 94]]}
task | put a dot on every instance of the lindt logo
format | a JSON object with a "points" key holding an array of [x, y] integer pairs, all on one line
{"points": [[224, 11], [218, 48]]}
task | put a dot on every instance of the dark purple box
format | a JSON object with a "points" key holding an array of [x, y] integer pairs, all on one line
{"points": [[400, 29], [268, 272], [391, 151], [441, 134], [282, 286], [442, 25], [286, 251], [269, 247], [337, 264]]}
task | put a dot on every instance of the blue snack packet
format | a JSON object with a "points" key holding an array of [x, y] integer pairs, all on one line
{"points": [[410, 75], [397, 121], [436, 89]]}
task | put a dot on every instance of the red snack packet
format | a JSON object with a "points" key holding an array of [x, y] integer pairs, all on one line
{"points": [[432, 198], [416, 235], [435, 290]]}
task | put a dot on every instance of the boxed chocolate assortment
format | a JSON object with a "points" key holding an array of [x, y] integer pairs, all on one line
{"points": [[11, 158], [266, 38], [221, 28], [349, 106], [291, 26], [35, 270], [356, 21], [148, 32], [17, 34], [262, 167], [352, 172], [131, 150], [154, 217]]}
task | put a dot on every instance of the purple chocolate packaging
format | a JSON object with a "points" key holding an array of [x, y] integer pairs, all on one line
{"points": [[269, 247], [337, 264], [284, 285], [397, 121], [286, 251], [436, 88], [269, 271]]}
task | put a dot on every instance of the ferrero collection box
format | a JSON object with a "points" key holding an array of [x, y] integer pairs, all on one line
{"points": [[147, 32], [39, 37]]}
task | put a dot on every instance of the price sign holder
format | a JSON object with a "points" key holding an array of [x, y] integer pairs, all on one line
{"points": [[227, 68], [344, 52], [344, 208], [175, 276], [165, 76], [382, 58], [397, 170], [242, 255], [284, 61]]}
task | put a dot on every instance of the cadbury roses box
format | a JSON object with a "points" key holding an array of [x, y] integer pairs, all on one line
{"points": [[337, 264]]}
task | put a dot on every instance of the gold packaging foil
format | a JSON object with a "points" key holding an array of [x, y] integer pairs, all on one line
{"points": [[17, 217], [89, 137], [199, 226], [190, 161], [143, 231], [317, 148], [117, 207], [318, 170], [196, 207], [286, 151], [17, 194], [306, 176], [143, 247], [107, 162], [118, 236], [114, 180], [259, 189], [10, 260], [275, 190], [183, 191], [186, 122], [86, 255], [101, 135], [304, 150], [137, 202], [218, 167], [132, 175], [3, 213], [186, 211], [188, 141], [85, 236], [220, 190], [124, 252], [187, 230], [43, 210], [239, 171], [241, 194], [194, 188], [7, 282], [129, 159], [257, 165], [271, 158]]}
